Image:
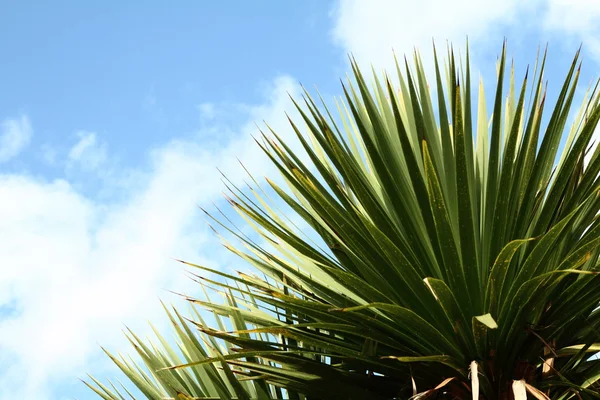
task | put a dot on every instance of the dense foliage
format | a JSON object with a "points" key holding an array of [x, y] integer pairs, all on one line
{"points": [[457, 253]]}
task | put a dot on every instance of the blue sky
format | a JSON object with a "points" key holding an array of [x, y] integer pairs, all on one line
{"points": [[135, 74], [114, 118]]}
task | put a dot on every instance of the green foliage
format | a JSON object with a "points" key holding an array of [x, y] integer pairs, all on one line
{"points": [[461, 253]]}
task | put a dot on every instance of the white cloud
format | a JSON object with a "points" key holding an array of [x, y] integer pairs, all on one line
{"points": [[88, 152], [371, 29], [74, 269], [15, 135], [578, 19], [572, 15]]}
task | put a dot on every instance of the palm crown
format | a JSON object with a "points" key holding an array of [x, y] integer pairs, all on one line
{"points": [[456, 254]]}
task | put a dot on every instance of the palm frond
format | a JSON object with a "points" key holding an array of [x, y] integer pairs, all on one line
{"points": [[442, 241]]}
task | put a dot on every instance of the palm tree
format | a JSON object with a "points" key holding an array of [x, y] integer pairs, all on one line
{"points": [[450, 254]]}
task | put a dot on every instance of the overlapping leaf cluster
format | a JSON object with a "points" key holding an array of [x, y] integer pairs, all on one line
{"points": [[459, 253]]}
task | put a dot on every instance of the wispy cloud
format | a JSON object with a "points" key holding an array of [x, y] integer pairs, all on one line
{"points": [[15, 135], [74, 269], [89, 152], [576, 22], [207, 111]]}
